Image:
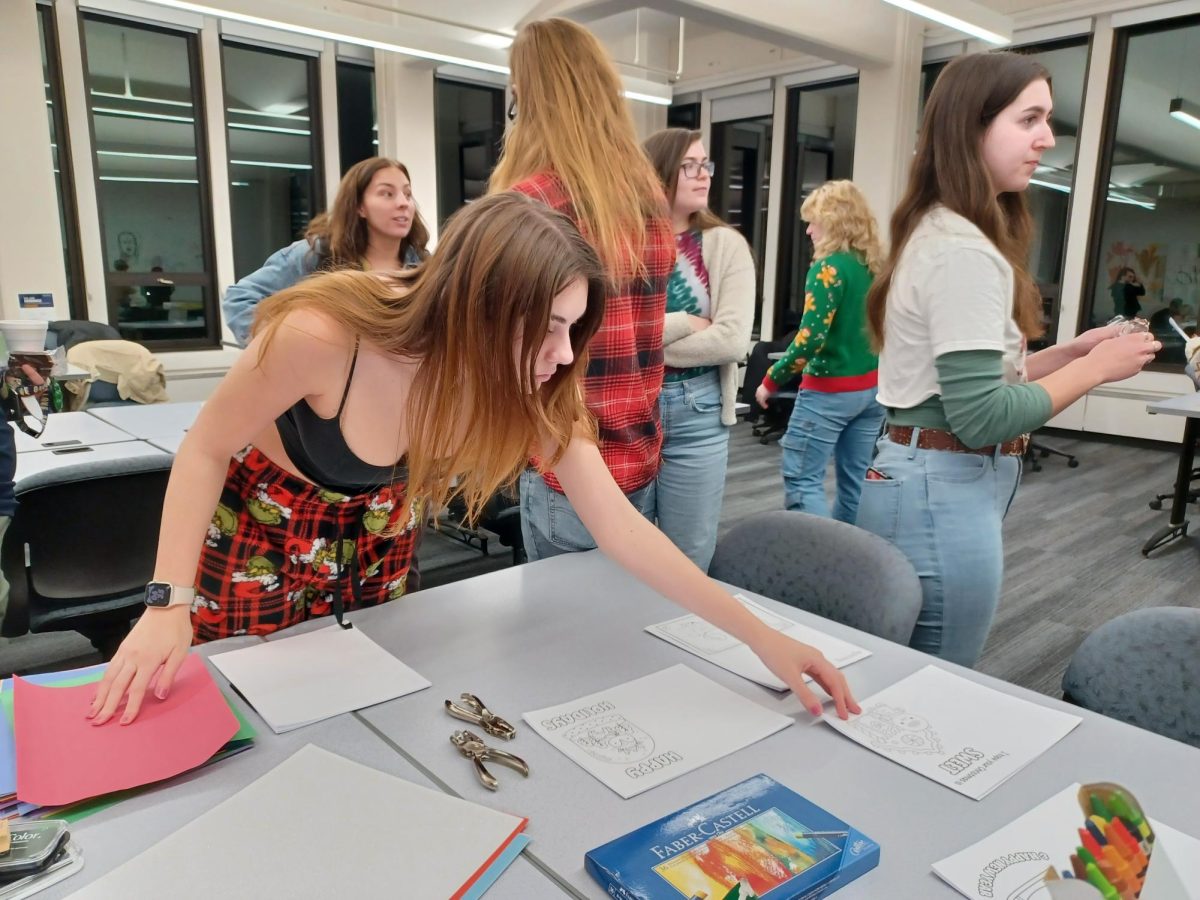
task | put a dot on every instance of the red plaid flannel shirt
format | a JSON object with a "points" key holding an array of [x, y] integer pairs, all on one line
{"points": [[625, 362]]}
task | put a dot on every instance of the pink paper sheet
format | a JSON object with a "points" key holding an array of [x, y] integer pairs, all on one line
{"points": [[62, 757]]}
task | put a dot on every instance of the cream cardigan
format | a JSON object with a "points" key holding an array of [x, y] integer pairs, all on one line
{"points": [[726, 341]]}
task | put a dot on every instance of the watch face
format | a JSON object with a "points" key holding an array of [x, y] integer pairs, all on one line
{"points": [[158, 594]]}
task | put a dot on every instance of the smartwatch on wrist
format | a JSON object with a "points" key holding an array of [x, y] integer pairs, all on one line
{"points": [[163, 594]]}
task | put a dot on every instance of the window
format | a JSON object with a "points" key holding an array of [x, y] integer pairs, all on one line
{"points": [[821, 122], [148, 137], [684, 115], [274, 152], [1145, 255], [470, 129], [741, 150], [358, 129], [65, 189]]}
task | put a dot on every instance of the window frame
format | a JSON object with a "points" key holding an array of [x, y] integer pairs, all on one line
{"points": [[206, 279], [1114, 93]]}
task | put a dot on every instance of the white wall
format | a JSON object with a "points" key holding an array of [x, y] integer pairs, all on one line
{"points": [[31, 259]]}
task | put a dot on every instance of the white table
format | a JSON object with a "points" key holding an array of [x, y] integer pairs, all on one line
{"points": [[44, 460], [169, 443], [152, 420], [69, 429], [119, 833], [551, 631]]}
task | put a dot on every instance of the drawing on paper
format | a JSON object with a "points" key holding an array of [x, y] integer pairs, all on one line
{"points": [[699, 636], [612, 739], [891, 729]]}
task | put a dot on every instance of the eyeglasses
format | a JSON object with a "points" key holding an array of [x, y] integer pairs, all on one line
{"points": [[692, 169]]}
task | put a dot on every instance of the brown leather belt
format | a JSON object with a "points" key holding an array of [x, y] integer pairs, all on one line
{"points": [[936, 439]]}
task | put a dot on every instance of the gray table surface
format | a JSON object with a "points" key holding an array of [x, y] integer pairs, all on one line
{"points": [[150, 420], [548, 632], [1183, 405], [117, 834]]}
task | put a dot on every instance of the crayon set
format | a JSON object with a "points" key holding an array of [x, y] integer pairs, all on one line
{"points": [[1115, 844]]}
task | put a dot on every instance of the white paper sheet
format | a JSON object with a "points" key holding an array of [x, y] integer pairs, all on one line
{"points": [[954, 731], [318, 825], [645, 732], [297, 680], [1011, 863], [695, 635]]}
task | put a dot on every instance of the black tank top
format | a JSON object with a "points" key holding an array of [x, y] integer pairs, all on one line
{"points": [[317, 448]]}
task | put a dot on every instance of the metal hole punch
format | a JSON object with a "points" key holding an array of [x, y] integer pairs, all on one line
{"points": [[472, 746], [472, 710]]}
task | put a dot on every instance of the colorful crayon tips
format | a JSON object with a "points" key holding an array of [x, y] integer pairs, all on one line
{"points": [[1101, 883]]}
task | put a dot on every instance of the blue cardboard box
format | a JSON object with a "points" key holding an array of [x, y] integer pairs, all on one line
{"points": [[757, 834]]}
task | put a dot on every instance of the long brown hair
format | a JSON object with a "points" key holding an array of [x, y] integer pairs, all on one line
{"points": [[948, 168], [666, 150], [339, 235], [846, 221], [489, 288], [572, 120]]}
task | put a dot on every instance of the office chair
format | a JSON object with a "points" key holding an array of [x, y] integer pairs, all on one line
{"points": [[1036, 449], [843, 573], [1142, 668], [773, 421], [81, 548]]}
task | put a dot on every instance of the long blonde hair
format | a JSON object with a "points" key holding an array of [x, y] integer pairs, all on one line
{"points": [[489, 288], [847, 223], [572, 121]]}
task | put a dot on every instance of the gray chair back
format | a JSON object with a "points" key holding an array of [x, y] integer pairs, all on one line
{"points": [[1143, 668], [823, 566]]}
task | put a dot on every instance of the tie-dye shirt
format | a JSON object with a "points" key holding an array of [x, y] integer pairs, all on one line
{"points": [[688, 291]]}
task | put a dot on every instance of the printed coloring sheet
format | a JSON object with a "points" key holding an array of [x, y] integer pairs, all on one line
{"points": [[1011, 864], [697, 636], [954, 731], [645, 732]]}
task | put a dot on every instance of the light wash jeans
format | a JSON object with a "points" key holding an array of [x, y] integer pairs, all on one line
{"points": [[691, 482], [550, 525], [842, 425], [945, 511]]}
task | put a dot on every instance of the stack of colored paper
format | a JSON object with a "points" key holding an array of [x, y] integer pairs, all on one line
{"points": [[55, 761]]}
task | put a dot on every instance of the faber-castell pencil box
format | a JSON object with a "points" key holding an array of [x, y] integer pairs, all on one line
{"points": [[757, 835]]}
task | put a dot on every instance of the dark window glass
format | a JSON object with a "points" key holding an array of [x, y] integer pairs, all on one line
{"points": [[470, 129], [274, 150], [358, 131], [148, 135], [1146, 224]]}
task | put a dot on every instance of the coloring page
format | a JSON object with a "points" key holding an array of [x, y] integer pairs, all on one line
{"points": [[695, 635], [637, 735], [959, 733]]}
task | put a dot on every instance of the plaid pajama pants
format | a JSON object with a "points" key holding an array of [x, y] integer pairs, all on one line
{"points": [[279, 547]]}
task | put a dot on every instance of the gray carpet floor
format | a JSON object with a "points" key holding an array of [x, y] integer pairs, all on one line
{"points": [[1072, 555]]}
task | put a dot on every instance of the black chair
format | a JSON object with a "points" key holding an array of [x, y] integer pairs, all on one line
{"points": [[773, 420], [81, 548], [500, 518], [1036, 449]]}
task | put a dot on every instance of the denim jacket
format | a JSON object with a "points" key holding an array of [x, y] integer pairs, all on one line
{"points": [[282, 270]]}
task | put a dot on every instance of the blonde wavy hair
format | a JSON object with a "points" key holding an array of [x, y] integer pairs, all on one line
{"points": [[572, 120], [846, 221], [490, 287]]}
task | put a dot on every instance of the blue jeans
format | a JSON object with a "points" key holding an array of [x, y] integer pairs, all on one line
{"points": [[695, 452], [549, 524], [842, 425], [945, 511]]}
